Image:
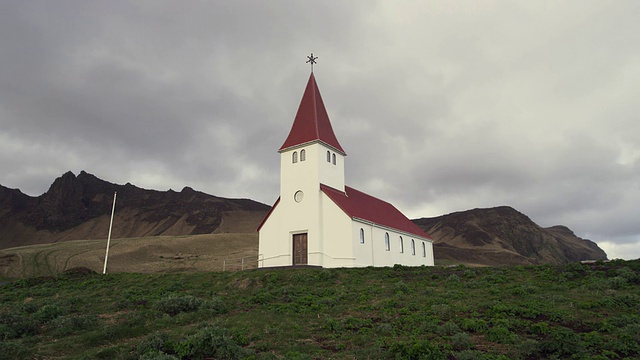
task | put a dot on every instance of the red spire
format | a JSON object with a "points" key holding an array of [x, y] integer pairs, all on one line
{"points": [[312, 121]]}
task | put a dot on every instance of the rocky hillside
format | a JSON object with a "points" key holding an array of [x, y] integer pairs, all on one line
{"points": [[504, 236], [79, 207]]}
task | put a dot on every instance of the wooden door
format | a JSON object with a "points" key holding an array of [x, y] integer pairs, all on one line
{"points": [[300, 249]]}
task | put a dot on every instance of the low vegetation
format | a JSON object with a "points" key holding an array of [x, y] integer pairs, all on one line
{"points": [[582, 311]]}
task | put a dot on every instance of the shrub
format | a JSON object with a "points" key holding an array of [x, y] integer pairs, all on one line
{"points": [[211, 341], [14, 325], [449, 328], [261, 297], [593, 340], [626, 341], [473, 324], [175, 304], [155, 343], [66, 325], [461, 341], [48, 313], [295, 355], [356, 324], [15, 350], [541, 328], [528, 348], [628, 274], [469, 274], [468, 355], [501, 335], [453, 279], [617, 282], [442, 310], [562, 342], [401, 287], [157, 355], [132, 299], [415, 350]]}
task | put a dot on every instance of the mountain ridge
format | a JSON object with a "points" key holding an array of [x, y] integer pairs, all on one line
{"points": [[79, 208], [503, 235]]}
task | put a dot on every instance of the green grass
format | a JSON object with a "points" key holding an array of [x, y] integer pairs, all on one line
{"points": [[537, 312]]}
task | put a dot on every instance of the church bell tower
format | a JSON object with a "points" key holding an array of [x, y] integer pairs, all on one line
{"points": [[311, 155]]}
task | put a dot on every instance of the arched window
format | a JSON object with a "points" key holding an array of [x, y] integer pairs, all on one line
{"points": [[401, 245], [294, 157], [424, 249], [303, 155], [361, 236], [334, 159], [328, 156], [413, 247], [387, 246]]}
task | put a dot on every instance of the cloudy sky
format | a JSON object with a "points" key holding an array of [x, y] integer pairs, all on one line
{"points": [[441, 106]]}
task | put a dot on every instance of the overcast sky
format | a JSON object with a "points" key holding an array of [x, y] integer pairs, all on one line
{"points": [[441, 106]]}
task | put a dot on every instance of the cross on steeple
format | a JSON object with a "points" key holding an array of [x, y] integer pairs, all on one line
{"points": [[312, 60]]}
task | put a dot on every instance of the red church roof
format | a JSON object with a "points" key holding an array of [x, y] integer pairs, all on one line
{"points": [[359, 205], [312, 121]]}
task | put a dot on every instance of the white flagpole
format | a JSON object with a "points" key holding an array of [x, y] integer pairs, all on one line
{"points": [[113, 210]]}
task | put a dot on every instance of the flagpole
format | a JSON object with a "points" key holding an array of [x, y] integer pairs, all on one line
{"points": [[113, 210]]}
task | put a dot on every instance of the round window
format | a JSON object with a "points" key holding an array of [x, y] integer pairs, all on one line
{"points": [[298, 196]]}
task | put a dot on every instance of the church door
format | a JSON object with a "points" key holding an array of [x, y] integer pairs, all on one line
{"points": [[300, 249]]}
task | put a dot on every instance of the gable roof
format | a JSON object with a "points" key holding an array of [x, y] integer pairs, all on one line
{"points": [[359, 205], [312, 121]]}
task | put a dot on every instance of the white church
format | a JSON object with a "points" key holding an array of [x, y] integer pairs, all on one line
{"points": [[318, 220]]}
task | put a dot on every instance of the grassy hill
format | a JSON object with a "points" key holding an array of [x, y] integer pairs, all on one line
{"points": [[522, 312], [157, 254]]}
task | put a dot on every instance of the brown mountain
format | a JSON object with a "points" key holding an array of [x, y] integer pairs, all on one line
{"points": [[79, 207], [504, 236]]}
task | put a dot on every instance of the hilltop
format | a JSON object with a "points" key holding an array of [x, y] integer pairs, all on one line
{"points": [[581, 311]]}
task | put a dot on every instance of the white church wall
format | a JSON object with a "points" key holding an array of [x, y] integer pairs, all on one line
{"points": [[430, 256], [301, 175], [331, 174], [362, 246], [273, 249], [336, 230], [395, 254]]}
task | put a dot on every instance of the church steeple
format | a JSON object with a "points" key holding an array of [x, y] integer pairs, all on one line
{"points": [[312, 122]]}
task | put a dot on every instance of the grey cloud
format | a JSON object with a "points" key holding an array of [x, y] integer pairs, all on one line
{"points": [[440, 106]]}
